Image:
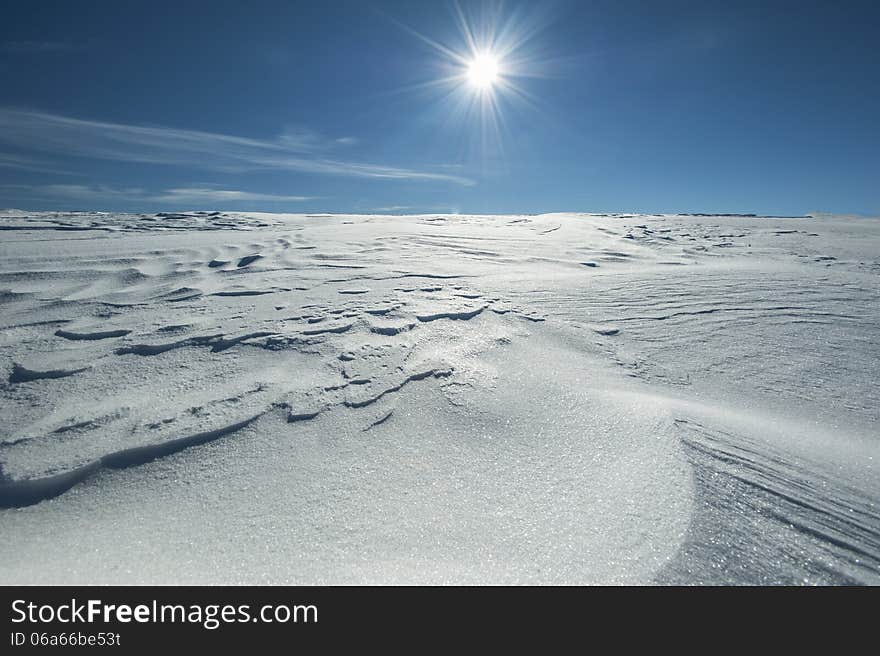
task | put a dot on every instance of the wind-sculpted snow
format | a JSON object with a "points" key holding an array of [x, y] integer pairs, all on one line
{"points": [[23, 374], [773, 516], [556, 398]]}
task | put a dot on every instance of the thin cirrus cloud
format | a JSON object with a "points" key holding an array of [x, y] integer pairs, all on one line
{"points": [[199, 195], [177, 195], [301, 152], [24, 163]]}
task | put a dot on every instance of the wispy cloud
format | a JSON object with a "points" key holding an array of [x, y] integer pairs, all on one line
{"points": [[293, 151], [199, 195], [177, 195], [13, 161]]}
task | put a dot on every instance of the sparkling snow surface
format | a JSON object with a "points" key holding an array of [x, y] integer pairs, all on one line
{"points": [[578, 398]]}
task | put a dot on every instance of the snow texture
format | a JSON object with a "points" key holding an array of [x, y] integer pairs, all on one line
{"points": [[209, 397]]}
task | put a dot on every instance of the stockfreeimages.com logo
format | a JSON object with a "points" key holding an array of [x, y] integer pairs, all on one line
{"points": [[210, 616]]}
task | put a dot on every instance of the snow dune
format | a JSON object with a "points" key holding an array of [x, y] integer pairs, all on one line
{"points": [[579, 398]]}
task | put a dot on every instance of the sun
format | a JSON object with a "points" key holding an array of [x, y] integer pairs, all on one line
{"points": [[482, 71]]}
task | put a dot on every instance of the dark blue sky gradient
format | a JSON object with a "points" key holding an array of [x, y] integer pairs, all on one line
{"points": [[767, 107]]}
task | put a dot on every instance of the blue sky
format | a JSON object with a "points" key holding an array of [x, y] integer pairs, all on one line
{"points": [[337, 106]]}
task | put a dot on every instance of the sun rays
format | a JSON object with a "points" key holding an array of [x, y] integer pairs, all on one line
{"points": [[479, 71]]}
